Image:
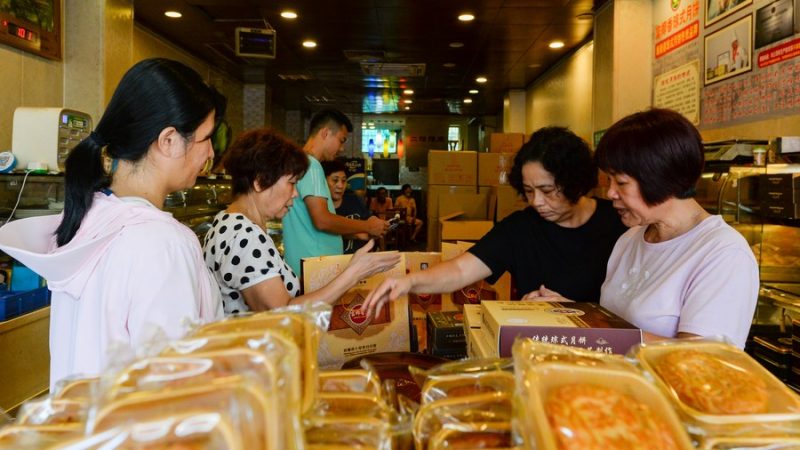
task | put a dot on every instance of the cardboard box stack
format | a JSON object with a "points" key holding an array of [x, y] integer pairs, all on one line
{"points": [[577, 324], [506, 142], [452, 188], [446, 334]]}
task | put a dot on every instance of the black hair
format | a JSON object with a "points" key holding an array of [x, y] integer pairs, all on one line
{"points": [[659, 148], [333, 166], [154, 94], [330, 118], [403, 187], [262, 155], [562, 153]]}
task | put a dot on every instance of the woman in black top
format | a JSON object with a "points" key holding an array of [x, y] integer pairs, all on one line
{"points": [[561, 242]]}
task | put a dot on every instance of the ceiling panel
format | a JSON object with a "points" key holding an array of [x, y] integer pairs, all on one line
{"points": [[507, 42]]}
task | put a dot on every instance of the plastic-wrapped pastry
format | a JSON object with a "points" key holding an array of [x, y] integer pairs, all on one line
{"points": [[52, 412], [586, 417], [706, 383], [471, 436], [479, 410], [79, 389], [349, 381], [189, 431], [25, 437], [240, 402], [464, 385]]}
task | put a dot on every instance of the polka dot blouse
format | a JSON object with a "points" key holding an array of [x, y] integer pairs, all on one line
{"points": [[241, 254]]}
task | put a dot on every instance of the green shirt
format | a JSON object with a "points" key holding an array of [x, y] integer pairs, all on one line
{"points": [[301, 239]]}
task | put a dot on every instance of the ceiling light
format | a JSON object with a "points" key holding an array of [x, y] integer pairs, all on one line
{"points": [[309, 43], [407, 108], [289, 14], [408, 101], [481, 80], [467, 100], [585, 16], [449, 65], [456, 44], [173, 14], [408, 91], [466, 17], [473, 91], [555, 44]]}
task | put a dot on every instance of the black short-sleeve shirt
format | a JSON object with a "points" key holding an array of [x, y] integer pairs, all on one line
{"points": [[353, 207], [570, 261]]}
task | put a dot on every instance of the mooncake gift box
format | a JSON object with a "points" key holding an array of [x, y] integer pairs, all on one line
{"points": [[351, 333], [577, 324], [420, 303], [446, 330]]}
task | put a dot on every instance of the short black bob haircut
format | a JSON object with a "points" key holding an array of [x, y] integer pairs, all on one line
{"points": [[336, 165], [659, 148], [562, 153], [262, 155]]}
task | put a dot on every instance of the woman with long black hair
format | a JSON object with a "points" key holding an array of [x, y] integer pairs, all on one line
{"points": [[122, 271]]}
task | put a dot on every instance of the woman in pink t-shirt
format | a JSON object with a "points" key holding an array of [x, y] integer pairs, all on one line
{"points": [[678, 271]]}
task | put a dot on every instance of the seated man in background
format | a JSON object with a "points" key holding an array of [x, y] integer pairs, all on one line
{"points": [[381, 203], [405, 200], [346, 204]]}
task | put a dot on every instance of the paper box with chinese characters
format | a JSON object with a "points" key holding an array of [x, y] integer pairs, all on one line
{"points": [[422, 304], [350, 334], [586, 325]]}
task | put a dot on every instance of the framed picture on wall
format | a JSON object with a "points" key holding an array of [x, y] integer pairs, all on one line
{"points": [[33, 26], [774, 21], [717, 10], [729, 51]]}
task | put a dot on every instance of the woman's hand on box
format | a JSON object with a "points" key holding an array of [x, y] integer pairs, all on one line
{"points": [[388, 291], [365, 264], [544, 295]]}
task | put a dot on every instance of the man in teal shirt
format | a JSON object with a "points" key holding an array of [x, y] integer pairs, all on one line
{"points": [[311, 227]]}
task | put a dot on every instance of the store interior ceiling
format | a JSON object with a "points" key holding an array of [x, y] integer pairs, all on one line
{"points": [[369, 52]]}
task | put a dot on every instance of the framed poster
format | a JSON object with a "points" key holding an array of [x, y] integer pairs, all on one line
{"points": [[774, 22], [33, 26], [729, 51], [717, 10]]}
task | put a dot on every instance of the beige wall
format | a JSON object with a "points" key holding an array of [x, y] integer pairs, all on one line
{"points": [[26, 80], [84, 80], [563, 95]]}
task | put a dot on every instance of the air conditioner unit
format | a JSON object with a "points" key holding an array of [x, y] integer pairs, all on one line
{"points": [[255, 43]]}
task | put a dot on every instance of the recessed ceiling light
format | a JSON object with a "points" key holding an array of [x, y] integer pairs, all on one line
{"points": [[309, 43], [408, 91], [466, 17], [555, 44], [456, 44], [585, 16], [407, 108], [481, 80], [408, 101], [534, 65], [173, 14], [449, 65], [473, 91], [467, 100], [289, 14]]}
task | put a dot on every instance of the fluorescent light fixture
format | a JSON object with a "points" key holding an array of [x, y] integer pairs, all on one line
{"points": [[466, 17], [467, 100], [473, 91], [173, 14], [289, 14], [556, 44], [308, 43], [408, 91], [481, 80]]}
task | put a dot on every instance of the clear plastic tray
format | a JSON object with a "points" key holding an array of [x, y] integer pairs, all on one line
{"points": [[23, 437], [477, 410], [543, 379], [349, 381], [754, 443], [473, 436], [463, 385], [783, 406]]}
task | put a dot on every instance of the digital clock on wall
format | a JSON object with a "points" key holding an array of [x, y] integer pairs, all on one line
{"points": [[32, 26]]}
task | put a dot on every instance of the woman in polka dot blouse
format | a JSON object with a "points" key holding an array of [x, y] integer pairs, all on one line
{"points": [[251, 273]]}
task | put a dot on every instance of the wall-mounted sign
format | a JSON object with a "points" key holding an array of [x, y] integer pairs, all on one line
{"points": [[679, 89]]}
